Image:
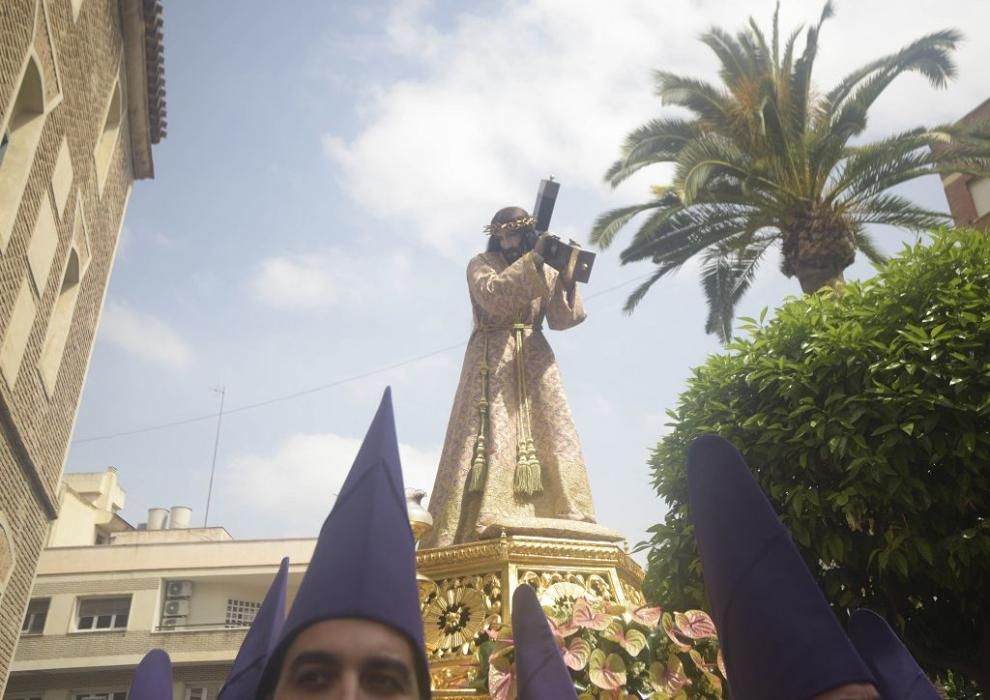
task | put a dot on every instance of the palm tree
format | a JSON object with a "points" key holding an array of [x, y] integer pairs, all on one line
{"points": [[765, 158]]}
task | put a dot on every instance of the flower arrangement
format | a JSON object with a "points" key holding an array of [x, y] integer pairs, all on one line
{"points": [[618, 652]]}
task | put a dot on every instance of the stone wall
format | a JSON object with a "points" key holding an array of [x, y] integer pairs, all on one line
{"points": [[80, 61]]}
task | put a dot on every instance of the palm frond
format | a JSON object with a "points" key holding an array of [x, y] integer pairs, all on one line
{"points": [[608, 224], [865, 244], [834, 97], [681, 232], [800, 77], [657, 141], [736, 64], [930, 55], [727, 272], [637, 295], [708, 157], [866, 169], [702, 98], [894, 210], [776, 35]]}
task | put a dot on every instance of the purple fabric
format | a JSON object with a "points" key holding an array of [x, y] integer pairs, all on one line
{"points": [[152, 678], [242, 681], [898, 675], [540, 670], [364, 563], [778, 635]]}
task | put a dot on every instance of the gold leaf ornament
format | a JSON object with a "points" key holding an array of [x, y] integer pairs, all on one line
{"points": [[453, 619]]}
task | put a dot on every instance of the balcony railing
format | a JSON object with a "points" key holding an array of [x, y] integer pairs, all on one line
{"points": [[207, 626]]}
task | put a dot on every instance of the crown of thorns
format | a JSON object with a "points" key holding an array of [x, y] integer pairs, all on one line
{"points": [[513, 225]]}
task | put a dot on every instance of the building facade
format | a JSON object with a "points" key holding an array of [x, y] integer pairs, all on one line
{"points": [[81, 104], [968, 196], [96, 609]]}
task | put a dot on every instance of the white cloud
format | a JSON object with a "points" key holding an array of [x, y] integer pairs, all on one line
{"points": [[301, 282], [552, 86], [144, 335], [328, 278], [264, 484]]}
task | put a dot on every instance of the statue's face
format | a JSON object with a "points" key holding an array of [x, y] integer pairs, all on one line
{"points": [[349, 659], [509, 241]]}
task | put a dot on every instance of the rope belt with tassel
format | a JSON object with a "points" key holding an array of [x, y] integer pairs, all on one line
{"points": [[527, 480]]}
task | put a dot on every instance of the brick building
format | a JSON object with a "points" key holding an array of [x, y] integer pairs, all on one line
{"points": [[81, 104], [968, 196], [107, 592]]}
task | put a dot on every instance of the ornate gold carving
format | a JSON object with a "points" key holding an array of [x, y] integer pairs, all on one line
{"points": [[453, 677], [460, 612], [535, 550], [461, 593], [559, 589], [633, 595]]}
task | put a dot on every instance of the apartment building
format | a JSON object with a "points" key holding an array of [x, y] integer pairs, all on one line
{"points": [[107, 591]]}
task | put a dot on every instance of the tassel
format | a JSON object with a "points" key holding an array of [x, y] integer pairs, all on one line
{"points": [[479, 460], [528, 479], [476, 477]]}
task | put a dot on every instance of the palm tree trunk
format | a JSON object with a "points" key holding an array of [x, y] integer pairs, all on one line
{"points": [[814, 278]]}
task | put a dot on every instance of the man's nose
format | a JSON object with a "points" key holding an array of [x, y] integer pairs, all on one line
{"points": [[349, 688]]}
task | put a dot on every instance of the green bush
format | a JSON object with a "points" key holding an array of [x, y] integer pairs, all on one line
{"points": [[864, 416]]}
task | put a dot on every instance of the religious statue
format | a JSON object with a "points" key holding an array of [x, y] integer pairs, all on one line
{"points": [[511, 460]]}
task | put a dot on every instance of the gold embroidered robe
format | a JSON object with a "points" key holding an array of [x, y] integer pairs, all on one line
{"points": [[503, 295]]}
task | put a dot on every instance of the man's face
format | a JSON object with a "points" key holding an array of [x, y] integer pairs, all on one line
{"points": [[348, 659]]}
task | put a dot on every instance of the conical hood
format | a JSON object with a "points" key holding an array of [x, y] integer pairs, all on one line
{"points": [[778, 635], [540, 670], [898, 675], [152, 678], [242, 681], [364, 563]]}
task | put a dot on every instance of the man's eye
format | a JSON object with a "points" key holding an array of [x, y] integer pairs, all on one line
{"points": [[384, 684], [312, 678]]}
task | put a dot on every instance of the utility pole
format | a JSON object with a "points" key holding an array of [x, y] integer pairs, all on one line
{"points": [[222, 390]]}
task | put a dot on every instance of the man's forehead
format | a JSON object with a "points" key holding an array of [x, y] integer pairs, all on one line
{"points": [[355, 636]]}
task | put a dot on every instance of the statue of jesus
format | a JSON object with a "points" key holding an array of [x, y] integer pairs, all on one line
{"points": [[511, 460]]}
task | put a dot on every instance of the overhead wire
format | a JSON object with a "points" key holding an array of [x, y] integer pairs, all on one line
{"points": [[314, 389]]}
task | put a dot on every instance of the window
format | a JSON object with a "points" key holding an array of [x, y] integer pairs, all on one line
{"points": [[34, 619], [100, 695], [60, 322], [108, 138], [19, 141], [979, 190], [197, 693], [4, 142], [240, 613], [103, 614], [17, 333]]}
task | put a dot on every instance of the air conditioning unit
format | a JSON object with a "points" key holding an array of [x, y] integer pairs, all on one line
{"points": [[178, 589], [176, 607], [170, 623]]}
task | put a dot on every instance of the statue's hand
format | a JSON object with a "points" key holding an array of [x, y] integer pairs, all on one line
{"points": [[540, 246]]}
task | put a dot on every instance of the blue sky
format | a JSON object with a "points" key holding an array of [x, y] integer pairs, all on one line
{"points": [[326, 175]]}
